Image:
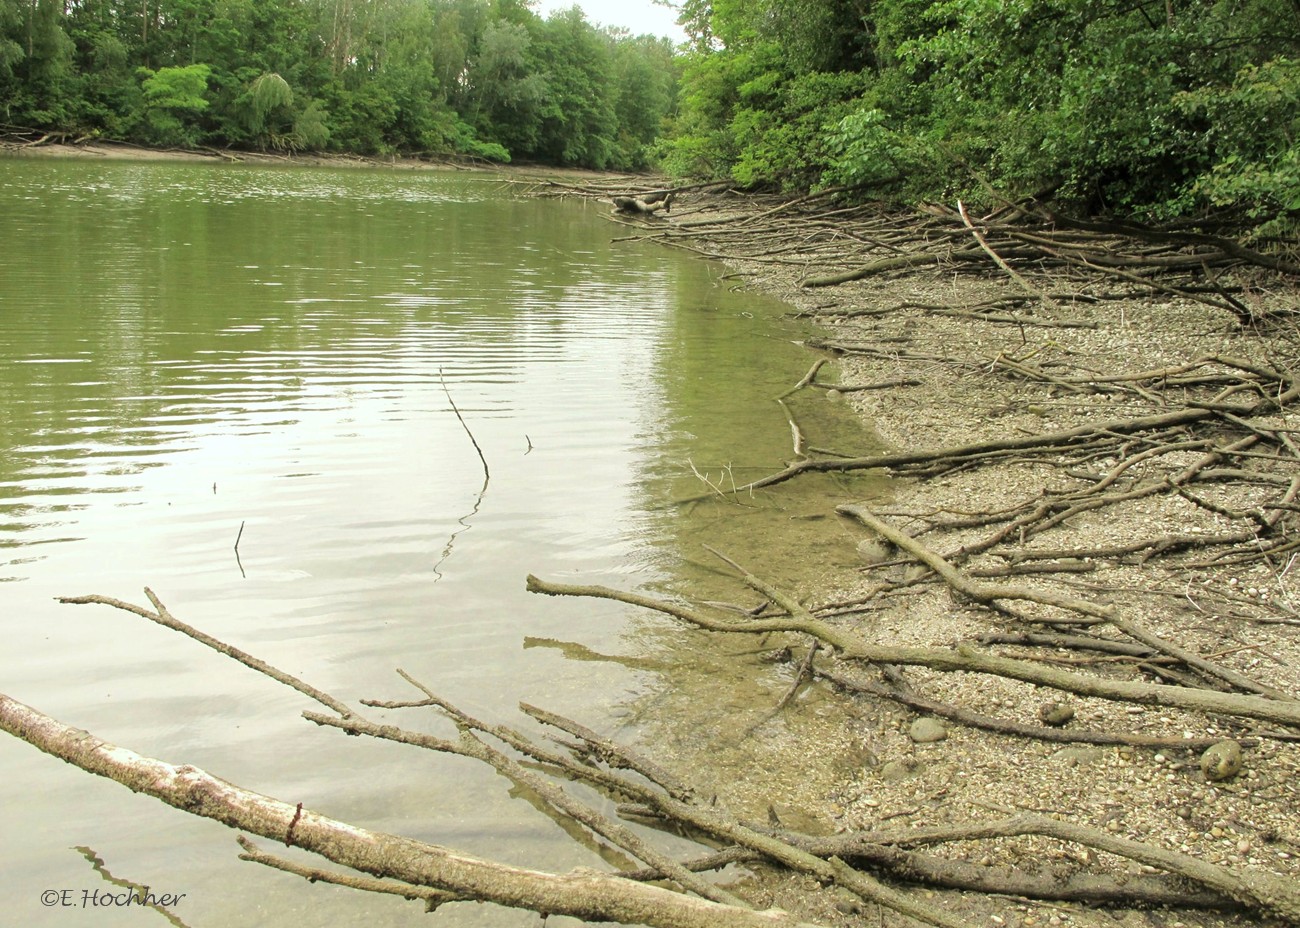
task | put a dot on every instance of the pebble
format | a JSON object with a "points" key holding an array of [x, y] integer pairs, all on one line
{"points": [[927, 730], [873, 550], [895, 770], [1055, 713], [1079, 756], [1221, 761]]}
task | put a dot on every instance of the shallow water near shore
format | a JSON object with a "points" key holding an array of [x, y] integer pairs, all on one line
{"points": [[235, 386]]}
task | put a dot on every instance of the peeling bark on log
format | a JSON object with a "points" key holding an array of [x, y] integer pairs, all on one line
{"points": [[586, 894]]}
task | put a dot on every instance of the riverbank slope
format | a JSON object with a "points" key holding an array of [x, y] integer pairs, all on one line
{"points": [[1040, 375]]}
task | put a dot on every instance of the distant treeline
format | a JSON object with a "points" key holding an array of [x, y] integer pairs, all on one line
{"points": [[1156, 109], [484, 78]]}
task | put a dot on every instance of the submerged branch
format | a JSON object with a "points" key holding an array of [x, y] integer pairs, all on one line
{"points": [[487, 475], [965, 658]]}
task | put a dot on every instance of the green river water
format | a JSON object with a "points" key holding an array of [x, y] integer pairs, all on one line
{"points": [[194, 355]]}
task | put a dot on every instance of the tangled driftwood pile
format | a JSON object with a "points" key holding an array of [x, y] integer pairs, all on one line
{"points": [[1095, 426]]}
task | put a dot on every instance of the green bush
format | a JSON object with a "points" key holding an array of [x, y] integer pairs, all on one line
{"points": [[174, 98]]}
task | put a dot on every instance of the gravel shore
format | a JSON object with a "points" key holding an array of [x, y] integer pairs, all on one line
{"points": [[834, 763]]}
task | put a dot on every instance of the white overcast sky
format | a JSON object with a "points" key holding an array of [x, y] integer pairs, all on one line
{"points": [[639, 16]]}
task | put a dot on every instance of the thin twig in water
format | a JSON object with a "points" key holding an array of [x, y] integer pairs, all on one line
{"points": [[238, 538], [704, 478], [796, 434], [486, 474], [487, 478], [464, 522], [804, 672]]}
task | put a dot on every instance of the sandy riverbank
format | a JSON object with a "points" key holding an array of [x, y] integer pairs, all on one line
{"points": [[123, 152], [95, 150]]}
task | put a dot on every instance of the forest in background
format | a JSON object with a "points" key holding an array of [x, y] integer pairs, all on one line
{"points": [[1152, 109], [479, 78]]}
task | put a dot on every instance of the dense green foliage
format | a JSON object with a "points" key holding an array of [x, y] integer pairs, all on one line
{"points": [[1156, 108], [1149, 108], [486, 78]]}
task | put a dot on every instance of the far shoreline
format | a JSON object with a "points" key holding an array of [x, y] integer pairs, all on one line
{"points": [[124, 151]]}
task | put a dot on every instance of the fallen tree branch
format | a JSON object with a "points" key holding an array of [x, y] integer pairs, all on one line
{"points": [[585, 894], [552, 794], [432, 898], [1006, 726], [645, 204], [710, 821], [895, 263], [998, 260], [468, 745], [1275, 896], [616, 755], [167, 620], [989, 594], [986, 593], [962, 658], [930, 870], [900, 459]]}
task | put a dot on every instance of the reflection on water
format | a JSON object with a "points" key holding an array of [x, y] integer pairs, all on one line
{"points": [[196, 357]]}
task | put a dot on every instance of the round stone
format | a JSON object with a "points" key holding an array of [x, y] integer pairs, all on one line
{"points": [[873, 550], [1221, 761], [896, 770], [927, 730], [1055, 713]]}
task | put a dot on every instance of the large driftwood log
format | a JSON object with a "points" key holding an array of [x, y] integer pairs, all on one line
{"points": [[646, 204], [709, 821], [586, 894]]}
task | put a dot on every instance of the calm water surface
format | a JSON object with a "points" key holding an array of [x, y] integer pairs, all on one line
{"points": [[194, 356]]}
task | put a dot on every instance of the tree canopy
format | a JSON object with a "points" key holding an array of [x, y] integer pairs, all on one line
{"points": [[486, 78], [1145, 108], [1155, 109]]}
